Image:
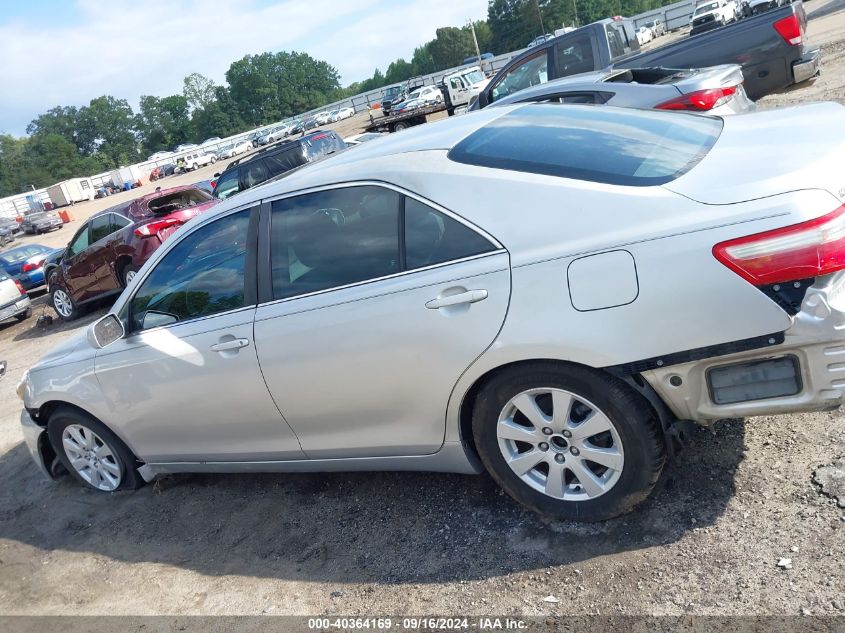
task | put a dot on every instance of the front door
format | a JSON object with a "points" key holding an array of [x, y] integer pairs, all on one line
{"points": [[78, 269], [185, 383], [378, 303]]}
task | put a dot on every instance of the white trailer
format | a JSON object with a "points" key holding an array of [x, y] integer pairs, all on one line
{"points": [[71, 191], [131, 174]]}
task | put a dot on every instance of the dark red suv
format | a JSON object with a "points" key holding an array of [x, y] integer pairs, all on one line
{"points": [[112, 245]]}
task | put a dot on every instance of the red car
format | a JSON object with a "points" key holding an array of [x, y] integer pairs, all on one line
{"points": [[112, 245]]}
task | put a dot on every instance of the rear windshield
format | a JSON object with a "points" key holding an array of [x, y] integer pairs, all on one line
{"points": [[179, 200], [20, 254], [609, 145]]}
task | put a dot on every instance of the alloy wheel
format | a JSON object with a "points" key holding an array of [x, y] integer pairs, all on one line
{"points": [[560, 444], [91, 457], [129, 276], [62, 302]]}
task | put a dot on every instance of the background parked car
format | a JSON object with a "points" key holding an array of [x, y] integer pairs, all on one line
{"points": [[25, 263], [14, 301], [7, 235], [341, 114], [365, 137], [273, 161], [41, 222], [106, 252], [322, 117], [540, 39], [644, 35], [12, 225], [195, 160], [716, 90], [657, 27]]}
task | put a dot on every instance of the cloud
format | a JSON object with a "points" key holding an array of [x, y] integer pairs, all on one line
{"points": [[127, 48]]}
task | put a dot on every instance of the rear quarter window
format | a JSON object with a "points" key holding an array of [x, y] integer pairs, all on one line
{"points": [[607, 145]]}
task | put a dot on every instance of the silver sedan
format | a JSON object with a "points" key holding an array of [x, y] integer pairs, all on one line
{"points": [[548, 294]]}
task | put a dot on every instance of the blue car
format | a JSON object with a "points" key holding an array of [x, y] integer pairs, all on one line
{"points": [[26, 263]]}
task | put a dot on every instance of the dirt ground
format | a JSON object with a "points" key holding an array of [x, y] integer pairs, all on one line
{"points": [[708, 541]]}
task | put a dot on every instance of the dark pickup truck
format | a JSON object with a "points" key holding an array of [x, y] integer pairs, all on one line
{"points": [[769, 47]]}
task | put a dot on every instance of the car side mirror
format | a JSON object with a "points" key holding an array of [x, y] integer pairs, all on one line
{"points": [[105, 331]]}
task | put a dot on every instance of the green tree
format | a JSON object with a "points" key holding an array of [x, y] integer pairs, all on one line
{"points": [[219, 118], [451, 46], [198, 90], [163, 123], [272, 86]]}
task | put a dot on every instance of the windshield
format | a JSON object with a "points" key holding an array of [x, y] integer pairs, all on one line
{"points": [[473, 77], [706, 8], [391, 92]]}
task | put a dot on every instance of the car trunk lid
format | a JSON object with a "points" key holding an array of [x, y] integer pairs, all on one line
{"points": [[771, 152], [9, 291]]}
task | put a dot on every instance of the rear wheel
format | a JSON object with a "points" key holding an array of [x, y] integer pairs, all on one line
{"points": [[92, 453], [63, 304], [570, 442], [400, 125]]}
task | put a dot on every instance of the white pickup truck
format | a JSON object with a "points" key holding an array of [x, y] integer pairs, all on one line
{"points": [[711, 14]]}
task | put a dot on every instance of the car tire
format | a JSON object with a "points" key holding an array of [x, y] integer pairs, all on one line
{"points": [[400, 125], [91, 453], [23, 316], [127, 273], [629, 441], [213, 159], [63, 304]]}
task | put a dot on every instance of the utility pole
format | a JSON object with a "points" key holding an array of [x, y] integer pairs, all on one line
{"points": [[475, 39], [540, 15], [575, 10]]}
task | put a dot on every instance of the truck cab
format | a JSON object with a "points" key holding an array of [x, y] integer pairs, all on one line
{"points": [[589, 48], [463, 86]]}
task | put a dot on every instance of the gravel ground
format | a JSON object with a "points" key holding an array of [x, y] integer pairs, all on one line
{"points": [[739, 501]]}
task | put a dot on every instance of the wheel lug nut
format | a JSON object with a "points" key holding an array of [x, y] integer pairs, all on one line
{"points": [[547, 431], [559, 458], [544, 446], [567, 434], [574, 451]]}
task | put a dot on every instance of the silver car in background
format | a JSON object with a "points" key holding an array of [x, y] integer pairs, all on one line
{"points": [[547, 293], [715, 90]]}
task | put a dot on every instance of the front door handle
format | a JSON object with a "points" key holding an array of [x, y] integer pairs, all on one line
{"points": [[470, 296], [235, 343]]}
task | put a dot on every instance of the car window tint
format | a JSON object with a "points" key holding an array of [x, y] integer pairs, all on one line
{"points": [[100, 228], [227, 185], [254, 173], [202, 275], [616, 146], [333, 238], [432, 237], [119, 222], [575, 57], [80, 242], [531, 72], [280, 162]]}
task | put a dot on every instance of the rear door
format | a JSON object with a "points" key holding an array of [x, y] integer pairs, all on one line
{"points": [[373, 303], [101, 257]]}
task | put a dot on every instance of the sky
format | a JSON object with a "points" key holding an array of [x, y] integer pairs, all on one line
{"points": [[67, 52]]}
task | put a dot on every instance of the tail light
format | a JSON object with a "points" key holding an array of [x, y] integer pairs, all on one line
{"points": [[700, 99], [152, 228], [32, 266], [799, 251], [20, 287], [789, 28]]}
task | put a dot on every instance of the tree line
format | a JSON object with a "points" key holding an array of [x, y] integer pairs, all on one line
{"points": [[70, 141]]}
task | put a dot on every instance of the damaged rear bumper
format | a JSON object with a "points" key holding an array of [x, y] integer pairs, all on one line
{"points": [[806, 372]]}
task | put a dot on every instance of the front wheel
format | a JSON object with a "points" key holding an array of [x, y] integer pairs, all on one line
{"points": [[63, 304], [128, 274], [91, 452], [570, 442]]}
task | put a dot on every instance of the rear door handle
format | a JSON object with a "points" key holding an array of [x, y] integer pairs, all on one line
{"points": [[224, 346], [470, 296]]}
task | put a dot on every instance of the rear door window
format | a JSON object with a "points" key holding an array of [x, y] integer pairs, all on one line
{"points": [[280, 162], [432, 237], [100, 227], [575, 56]]}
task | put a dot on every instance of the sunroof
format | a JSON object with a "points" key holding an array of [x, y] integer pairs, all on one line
{"points": [[600, 144]]}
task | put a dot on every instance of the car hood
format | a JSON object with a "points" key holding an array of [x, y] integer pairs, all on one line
{"points": [[765, 153], [74, 349]]}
